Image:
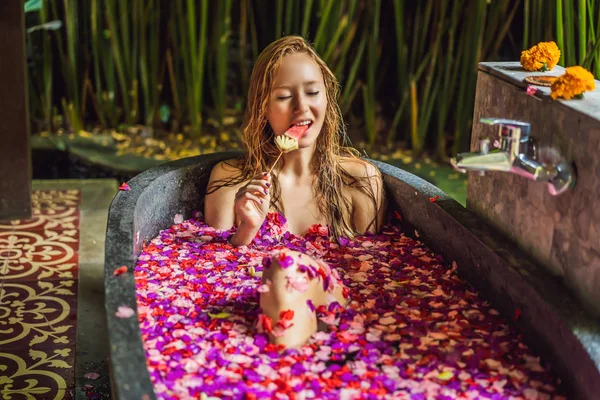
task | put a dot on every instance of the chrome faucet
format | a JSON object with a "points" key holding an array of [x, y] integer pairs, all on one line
{"points": [[517, 154]]}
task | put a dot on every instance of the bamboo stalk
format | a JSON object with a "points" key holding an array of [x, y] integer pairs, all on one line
{"points": [[289, 13], [569, 49], [414, 117], [95, 45], [278, 17], [503, 31], [118, 57], [244, 75], [333, 44], [173, 82], [526, 24], [68, 61], [428, 98], [222, 40], [201, 67], [369, 98], [47, 70], [560, 33], [306, 20], [597, 51], [582, 17], [320, 38], [448, 84], [349, 85]]}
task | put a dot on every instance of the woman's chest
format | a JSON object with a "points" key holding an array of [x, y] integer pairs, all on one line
{"points": [[301, 209]]}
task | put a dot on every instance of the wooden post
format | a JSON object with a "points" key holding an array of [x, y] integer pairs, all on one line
{"points": [[15, 154]]}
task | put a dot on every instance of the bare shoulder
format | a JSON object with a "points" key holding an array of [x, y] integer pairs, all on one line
{"points": [[221, 189], [225, 170], [366, 193], [359, 169]]}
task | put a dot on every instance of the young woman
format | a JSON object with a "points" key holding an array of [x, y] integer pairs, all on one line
{"points": [[322, 182]]}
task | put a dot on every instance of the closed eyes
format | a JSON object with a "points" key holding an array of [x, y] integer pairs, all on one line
{"points": [[289, 97]]}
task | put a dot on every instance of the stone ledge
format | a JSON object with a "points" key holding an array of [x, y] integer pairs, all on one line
{"points": [[514, 73]]}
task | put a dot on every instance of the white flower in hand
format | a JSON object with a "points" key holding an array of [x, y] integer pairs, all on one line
{"points": [[286, 143]]}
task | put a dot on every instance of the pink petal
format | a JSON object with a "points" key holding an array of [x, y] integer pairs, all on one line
{"points": [[438, 335], [392, 337], [387, 320], [278, 331], [178, 219], [350, 337], [263, 289], [92, 375], [299, 283], [329, 319], [531, 91], [124, 312]]}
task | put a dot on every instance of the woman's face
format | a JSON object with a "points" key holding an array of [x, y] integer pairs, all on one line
{"points": [[297, 97]]}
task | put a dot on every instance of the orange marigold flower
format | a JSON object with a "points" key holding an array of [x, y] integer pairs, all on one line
{"points": [[572, 83], [543, 56]]}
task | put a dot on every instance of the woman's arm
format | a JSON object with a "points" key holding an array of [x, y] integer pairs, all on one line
{"points": [[244, 204]]}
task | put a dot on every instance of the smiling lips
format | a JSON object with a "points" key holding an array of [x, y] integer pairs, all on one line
{"points": [[297, 131]]}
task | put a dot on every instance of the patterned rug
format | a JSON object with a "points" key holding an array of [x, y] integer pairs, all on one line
{"points": [[38, 294]]}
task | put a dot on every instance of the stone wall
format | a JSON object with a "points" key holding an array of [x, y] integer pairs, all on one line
{"points": [[561, 232]]}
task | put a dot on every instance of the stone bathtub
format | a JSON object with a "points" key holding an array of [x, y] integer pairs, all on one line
{"points": [[553, 324]]}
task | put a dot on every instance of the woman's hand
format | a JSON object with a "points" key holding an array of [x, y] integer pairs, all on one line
{"points": [[252, 202]]}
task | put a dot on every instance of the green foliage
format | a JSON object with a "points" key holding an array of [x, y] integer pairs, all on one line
{"points": [[573, 24], [407, 69], [40, 78], [33, 5]]}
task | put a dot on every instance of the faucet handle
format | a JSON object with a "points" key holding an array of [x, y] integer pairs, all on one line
{"points": [[509, 126]]}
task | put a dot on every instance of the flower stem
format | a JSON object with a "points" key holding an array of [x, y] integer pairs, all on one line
{"points": [[275, 163]]}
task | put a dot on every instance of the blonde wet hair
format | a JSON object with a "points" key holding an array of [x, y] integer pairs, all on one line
{"points": [[331, 149]]}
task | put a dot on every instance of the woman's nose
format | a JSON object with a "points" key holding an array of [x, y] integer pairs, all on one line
{"points": [[301, 104]]}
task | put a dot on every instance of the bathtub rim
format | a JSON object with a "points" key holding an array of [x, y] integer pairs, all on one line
{"points": [[125, 342]]}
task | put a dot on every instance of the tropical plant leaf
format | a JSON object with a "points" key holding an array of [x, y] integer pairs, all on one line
{"points": [[33, 5]]}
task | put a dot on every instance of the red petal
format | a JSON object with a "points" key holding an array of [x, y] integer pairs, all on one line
{"points": [[434, 199], [286, 315], [120, 271], [267, 323]]}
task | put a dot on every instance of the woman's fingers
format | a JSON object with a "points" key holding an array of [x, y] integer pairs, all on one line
{"points": [[250, 196], [262, 182], [257, 191], [257, 188]]}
